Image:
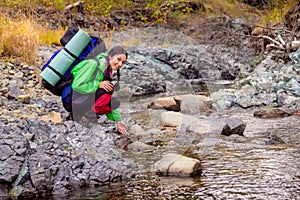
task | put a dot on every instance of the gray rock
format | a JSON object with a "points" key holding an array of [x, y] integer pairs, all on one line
{"points": [[14, 91], [139, 147], [233, 126]]}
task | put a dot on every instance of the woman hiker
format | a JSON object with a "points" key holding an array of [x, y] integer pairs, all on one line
{"points": [[92, 89]]}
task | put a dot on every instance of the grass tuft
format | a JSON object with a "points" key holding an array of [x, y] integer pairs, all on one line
{"points": [[48, 36], [18, 39]]}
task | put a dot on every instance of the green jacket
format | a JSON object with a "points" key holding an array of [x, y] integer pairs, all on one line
{"points": [[85, 83]]}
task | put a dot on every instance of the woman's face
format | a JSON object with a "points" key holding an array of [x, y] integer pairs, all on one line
{"points": [[117, 61]]}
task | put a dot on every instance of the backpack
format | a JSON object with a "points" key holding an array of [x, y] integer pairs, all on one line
{"points": [[77, 46]]}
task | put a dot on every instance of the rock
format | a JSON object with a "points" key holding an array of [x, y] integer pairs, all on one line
{"points": [[293, 87], [3, 190], [191, 104], [140, 147], [168, 103], [262, 66], [6, 152], [233, 126], [271, 113], [19, 74], [288, 100], [176, 119], [243, 97], [24, 98], [209, 125], [223, 98], [137, 130], [4, 90], [122, 141], [171, 119], [274, 139], [14, 92], [177, 165], [187, 122], [29, 136], [10, 169], [152, 131], [11, 148]]}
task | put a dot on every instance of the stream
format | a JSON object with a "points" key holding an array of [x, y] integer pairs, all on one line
{"points": [[262, 164]]}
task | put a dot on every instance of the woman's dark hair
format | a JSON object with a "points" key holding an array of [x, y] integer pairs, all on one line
{"points": [[117, 50]]}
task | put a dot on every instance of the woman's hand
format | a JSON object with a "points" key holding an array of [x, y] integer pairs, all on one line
{"points": [[107, 86], [122, 127]]}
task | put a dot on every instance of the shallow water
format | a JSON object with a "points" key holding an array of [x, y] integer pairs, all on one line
{"points": [[255, 172], [255, 167], [262, 164]]}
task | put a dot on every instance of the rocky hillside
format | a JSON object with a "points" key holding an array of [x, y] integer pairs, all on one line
{"points": [[216, 29]]}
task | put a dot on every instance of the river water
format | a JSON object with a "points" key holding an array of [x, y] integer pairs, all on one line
{"points": [[262, 164], [255, 167]]}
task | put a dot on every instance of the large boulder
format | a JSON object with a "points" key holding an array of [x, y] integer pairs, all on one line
{"points": [[177, 165]]}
